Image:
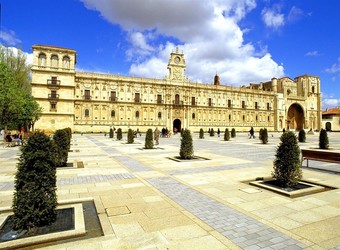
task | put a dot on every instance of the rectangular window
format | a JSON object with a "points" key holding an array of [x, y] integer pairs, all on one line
{"points": [[113, 96], [137, 97], [53, 94], [229, 103], [268, 106], [193, 101], [256, 105], [53, 106], [243, 104], [159, 99], [87, 95], [209, 102]]}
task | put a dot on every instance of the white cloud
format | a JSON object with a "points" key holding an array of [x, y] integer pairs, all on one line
{"points": [[330, 103], [312, 53], [15, 51], [334, 68], [206, 31], [295, 14], [272, 17], [9, 38]]}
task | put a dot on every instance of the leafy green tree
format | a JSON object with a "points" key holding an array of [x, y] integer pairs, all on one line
{"points": [[233, 133], [302, 135], [35, 198], [61, 140], [323, 139], [130, 136], [149, 139], [226, 135], [11, 97], [187, 148], [201, 134], [287, 169], [119, 134]]}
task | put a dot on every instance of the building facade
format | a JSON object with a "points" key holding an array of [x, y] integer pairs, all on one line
{"points": [[331, 119], [93, 102]]}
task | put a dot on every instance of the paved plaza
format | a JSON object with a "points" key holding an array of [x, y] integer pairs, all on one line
{"points": [[146, 200]]}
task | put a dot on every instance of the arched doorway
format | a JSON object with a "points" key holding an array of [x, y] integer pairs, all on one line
{"points": [[177, 125], [295, 117], [328, 126]]}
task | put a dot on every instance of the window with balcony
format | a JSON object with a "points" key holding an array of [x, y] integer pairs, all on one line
{"points": [[193, 101], [137, 97], [159, 99], [53, 94]]}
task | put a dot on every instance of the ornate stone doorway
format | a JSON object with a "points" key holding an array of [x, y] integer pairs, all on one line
{"points": [[295, 117], [177, 125]]}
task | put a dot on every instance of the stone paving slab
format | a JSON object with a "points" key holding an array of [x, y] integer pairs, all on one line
{"points": [[241, 229]]}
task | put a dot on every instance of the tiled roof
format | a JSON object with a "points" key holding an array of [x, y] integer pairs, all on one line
{"points": [[332, 111]]}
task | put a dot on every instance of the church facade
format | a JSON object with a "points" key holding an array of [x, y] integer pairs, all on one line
{"points": [[93, 102]]}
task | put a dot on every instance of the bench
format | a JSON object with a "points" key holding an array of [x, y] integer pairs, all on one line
{"points": [[320, 155]]}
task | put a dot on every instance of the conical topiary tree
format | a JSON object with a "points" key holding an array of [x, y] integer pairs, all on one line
{"points": [[287, 169], [261, 133], [226, 135], [149, 139], [233, 133], [201, 134], [187, 148], [111, 133], [302, 135], [35, 198], [323, 139], [264, 136], [212, 132], [119, 134], [61, 140], [130, 136]]}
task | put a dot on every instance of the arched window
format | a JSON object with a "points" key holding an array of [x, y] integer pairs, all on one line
{"points": [[137, 114], [243, 118], [66, 62], [87, 113], [159, 115], [229, 117], [54, 61], [42, 60], [256, 118], [269, 118], [193, 116], [113, 113]]}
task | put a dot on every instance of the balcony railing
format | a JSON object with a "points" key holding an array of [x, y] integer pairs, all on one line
{"points": [[178, 103], [137, 100], [193, 103], [113, 98], [86, 97], [52, 83], [53, 96], [160, 101]]}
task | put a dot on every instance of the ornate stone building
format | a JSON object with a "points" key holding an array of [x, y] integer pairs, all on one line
{"points": [[86, 101]]}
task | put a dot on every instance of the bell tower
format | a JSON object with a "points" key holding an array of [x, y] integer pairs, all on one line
{"points": [[176, 66]]}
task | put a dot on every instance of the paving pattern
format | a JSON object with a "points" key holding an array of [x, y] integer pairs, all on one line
{"points": [[243, 230]]}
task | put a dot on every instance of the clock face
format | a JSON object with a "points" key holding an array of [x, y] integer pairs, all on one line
{"points": [[177, 59]]}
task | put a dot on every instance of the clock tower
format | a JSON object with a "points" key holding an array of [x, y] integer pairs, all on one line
{"points": [[176, 66]]}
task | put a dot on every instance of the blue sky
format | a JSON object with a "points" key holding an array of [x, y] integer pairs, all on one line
{"points": [[244, 41]]}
